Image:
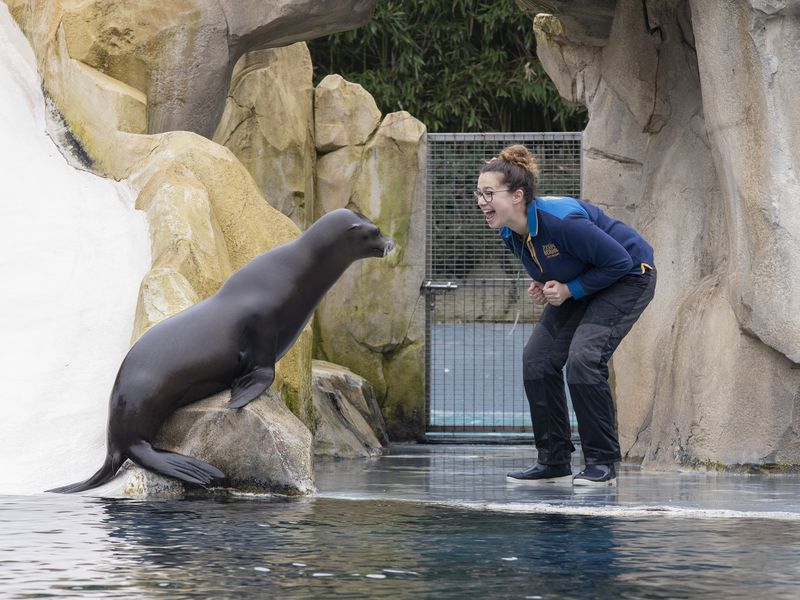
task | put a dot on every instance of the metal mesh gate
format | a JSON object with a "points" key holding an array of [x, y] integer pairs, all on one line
{"points": [[478, 315]]}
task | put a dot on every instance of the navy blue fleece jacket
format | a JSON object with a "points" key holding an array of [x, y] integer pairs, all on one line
{"points": [[576, 243]]}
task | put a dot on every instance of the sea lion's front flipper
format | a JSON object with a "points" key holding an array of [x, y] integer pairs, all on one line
{"points": [[249, 386], [256, 368]]}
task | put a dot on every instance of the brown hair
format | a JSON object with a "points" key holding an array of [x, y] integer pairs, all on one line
{"points": [[518, 167]]}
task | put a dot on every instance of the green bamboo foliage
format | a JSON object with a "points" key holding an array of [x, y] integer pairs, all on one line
{"points": [[457, 65]]}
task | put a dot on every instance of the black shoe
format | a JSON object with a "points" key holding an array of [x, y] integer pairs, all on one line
{"points": [[596, 475], [540, 473]]}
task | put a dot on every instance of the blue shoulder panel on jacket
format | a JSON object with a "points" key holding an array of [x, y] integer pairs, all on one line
{"points": [[560, 206]]}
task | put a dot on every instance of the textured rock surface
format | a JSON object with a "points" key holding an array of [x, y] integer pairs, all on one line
{"points": [[178, 55], [368, 322], [349, 421], [692, 139], [268, 123], [162, 293], [248, 225], [336, 175], [184, 231], [345, 114], [262, 448]]}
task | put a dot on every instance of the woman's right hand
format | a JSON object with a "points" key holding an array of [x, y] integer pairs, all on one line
{"points": [[536, 293]]}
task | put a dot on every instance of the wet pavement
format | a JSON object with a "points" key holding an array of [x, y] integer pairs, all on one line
{"points": [[474, 477]]}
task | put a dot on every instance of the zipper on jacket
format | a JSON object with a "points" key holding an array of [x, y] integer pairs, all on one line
{"points": [[532, 250]]}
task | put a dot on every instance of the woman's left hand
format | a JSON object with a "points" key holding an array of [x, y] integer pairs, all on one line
{"points": [[556, 292]]}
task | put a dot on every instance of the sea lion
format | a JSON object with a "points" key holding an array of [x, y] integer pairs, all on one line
{"points": [[230, 340]]}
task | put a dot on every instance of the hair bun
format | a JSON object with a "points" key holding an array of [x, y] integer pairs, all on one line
{"points": [[519, 155]]}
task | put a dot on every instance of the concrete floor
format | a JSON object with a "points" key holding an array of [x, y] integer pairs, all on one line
{"points": [[474, 476]]}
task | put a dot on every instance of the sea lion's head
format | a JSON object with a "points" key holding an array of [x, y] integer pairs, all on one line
{"points": [[361, 234]]}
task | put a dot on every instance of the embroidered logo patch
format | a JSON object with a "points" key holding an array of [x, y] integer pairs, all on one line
{"points": [[550, 250]]}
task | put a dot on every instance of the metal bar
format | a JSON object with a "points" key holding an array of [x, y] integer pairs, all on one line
{"points": [[580, 153], [438, 285], [478, 428], [507, 138], [428, 309]]}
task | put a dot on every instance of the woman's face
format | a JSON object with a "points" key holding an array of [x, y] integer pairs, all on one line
{"points": [[505, 206]]}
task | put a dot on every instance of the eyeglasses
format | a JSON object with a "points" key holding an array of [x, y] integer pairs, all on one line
{"points": [[487, 195]]}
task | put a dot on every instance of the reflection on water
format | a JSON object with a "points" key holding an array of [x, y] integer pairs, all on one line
{"points": [[327, 547]]}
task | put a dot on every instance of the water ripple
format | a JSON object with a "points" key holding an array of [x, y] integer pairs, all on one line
{"points": [[322, 547]]}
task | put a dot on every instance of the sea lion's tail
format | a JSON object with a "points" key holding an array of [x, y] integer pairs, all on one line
{"points": [[104, 474]]}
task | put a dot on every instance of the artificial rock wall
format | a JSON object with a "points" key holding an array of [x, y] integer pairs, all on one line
{"points": [[179, 55], [693, 138], [136, 84]]}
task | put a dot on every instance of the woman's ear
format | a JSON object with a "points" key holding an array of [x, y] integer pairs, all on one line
{"points": [[518, 196]]}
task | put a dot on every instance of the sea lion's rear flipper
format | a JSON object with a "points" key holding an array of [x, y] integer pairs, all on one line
{"points": [[186, 468], [249, 386]]}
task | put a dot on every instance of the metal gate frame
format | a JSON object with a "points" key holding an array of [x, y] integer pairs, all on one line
{"points": [[475, 290]]}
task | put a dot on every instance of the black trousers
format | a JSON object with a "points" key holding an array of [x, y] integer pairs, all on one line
{"points": [[581, 334]]}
